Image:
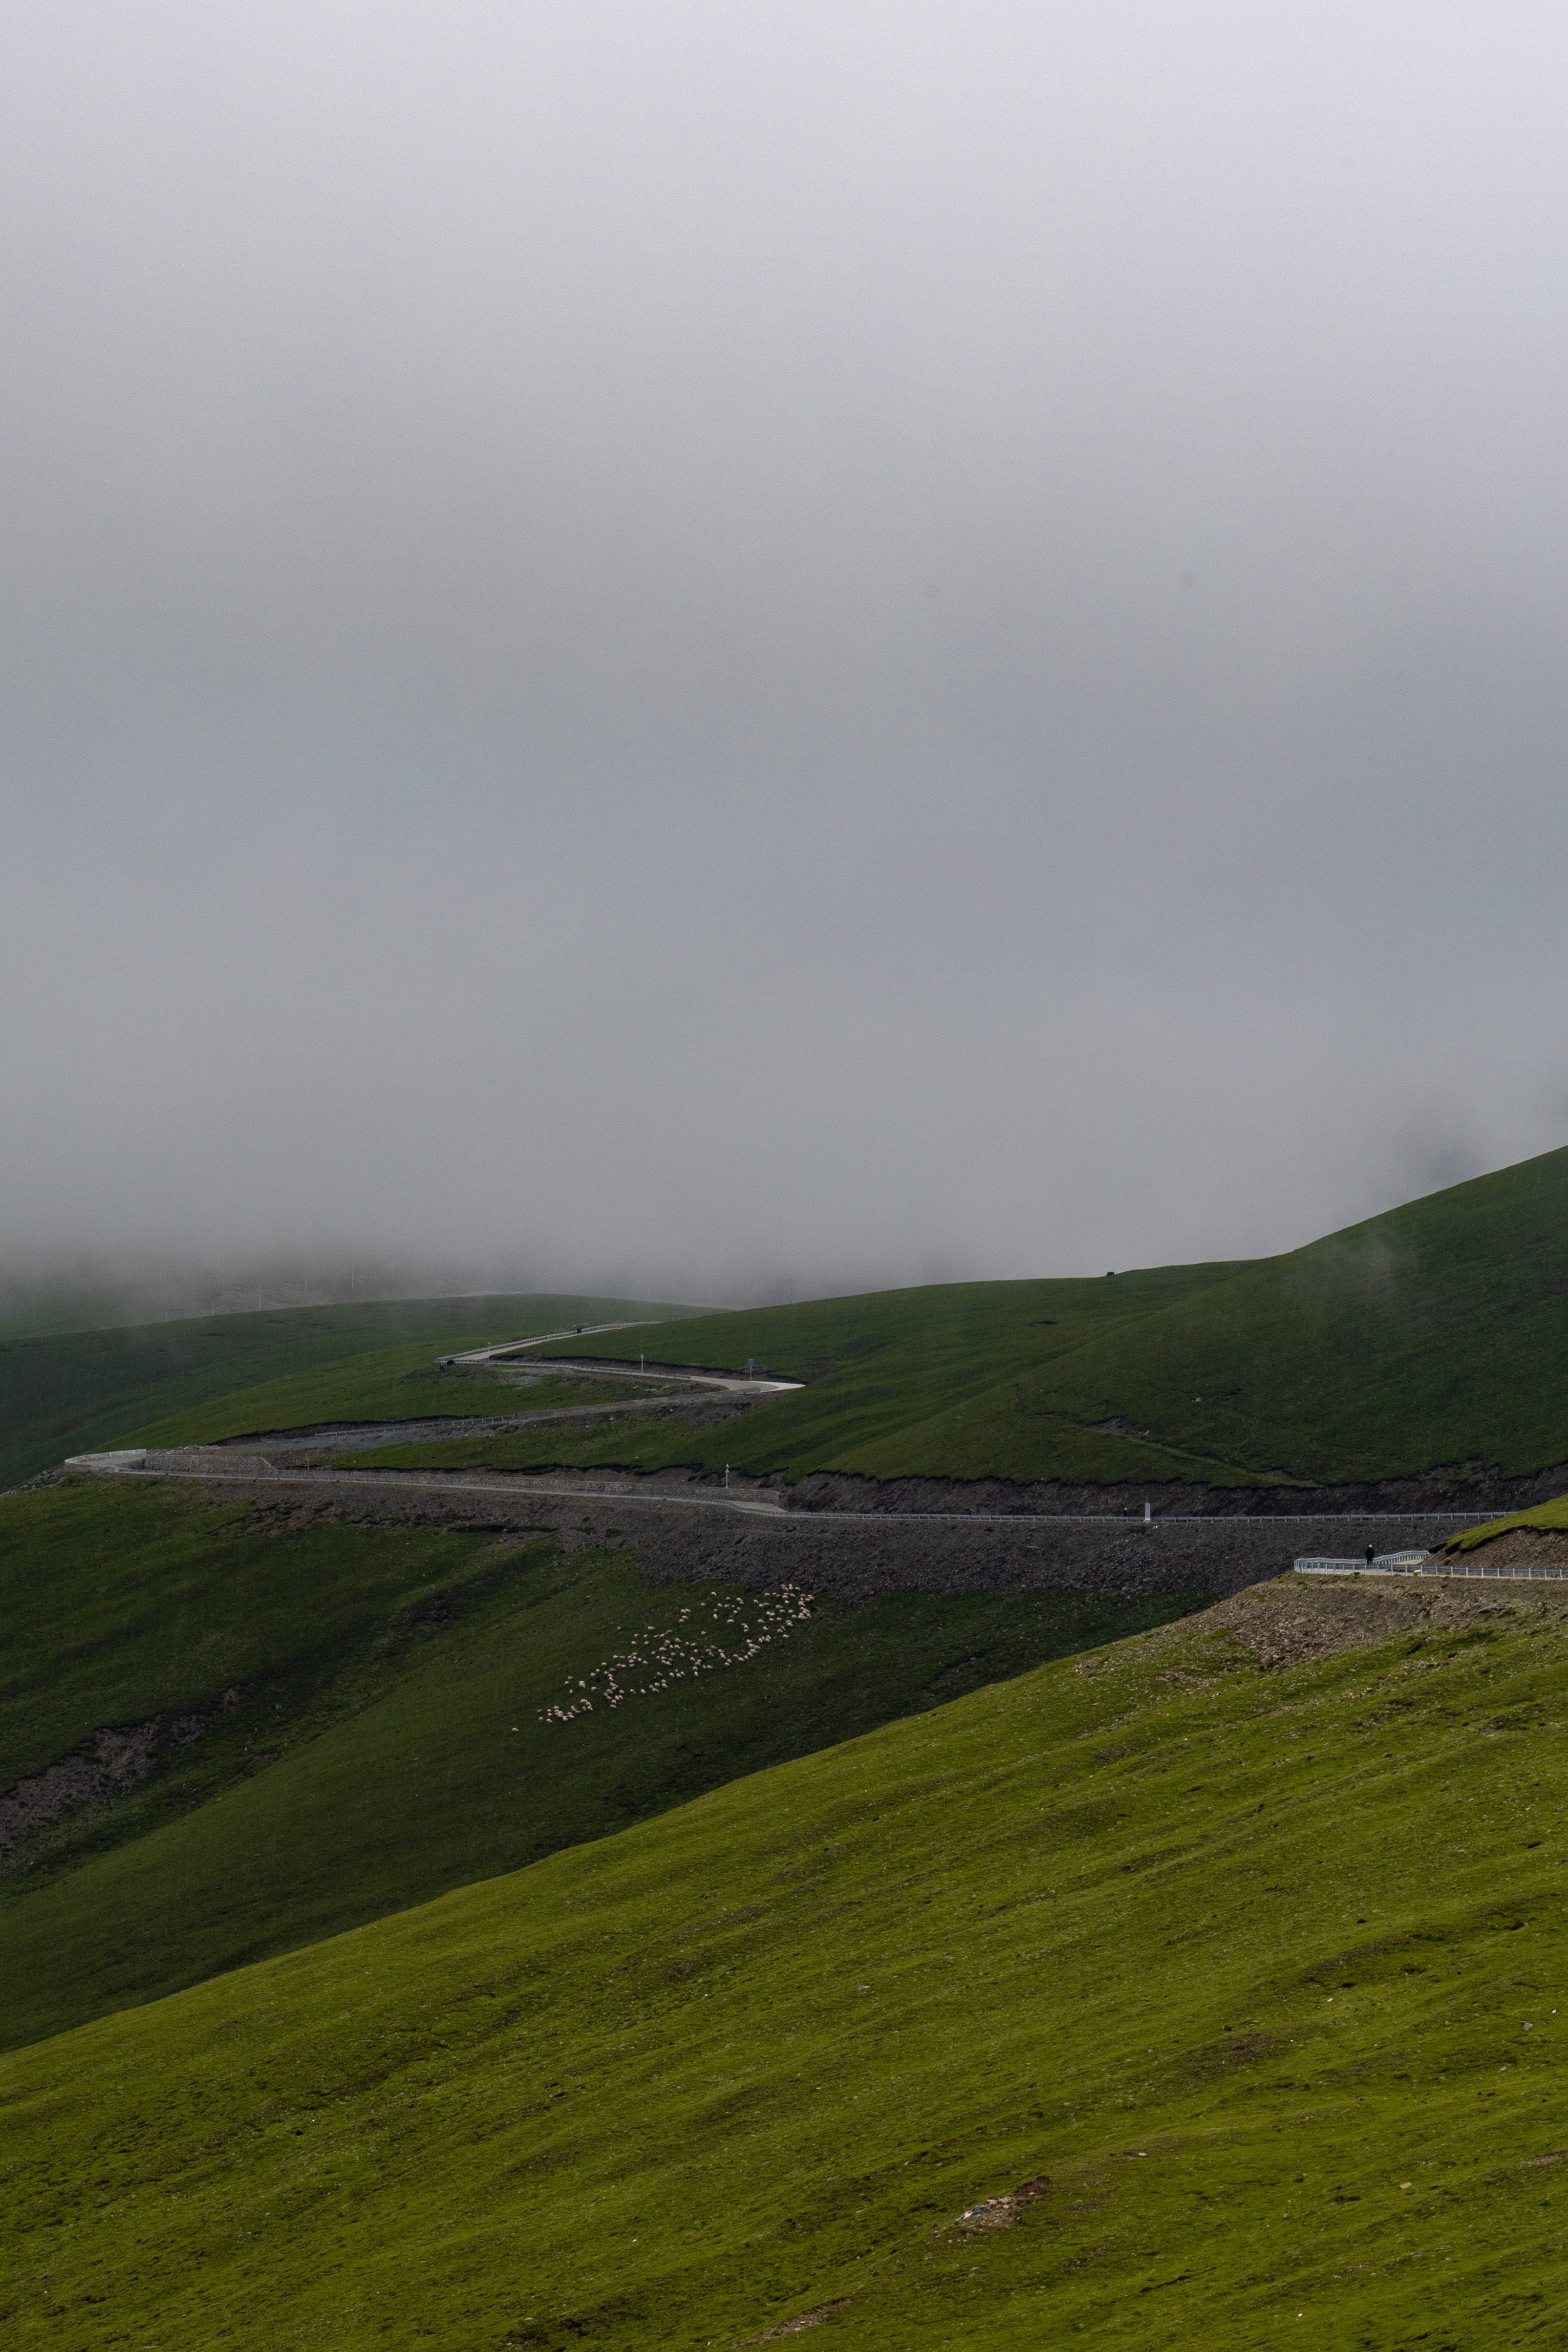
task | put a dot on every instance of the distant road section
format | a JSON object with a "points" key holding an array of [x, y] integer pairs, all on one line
{"points": [[749, 1383], [226, 1462], [537, 1339]]}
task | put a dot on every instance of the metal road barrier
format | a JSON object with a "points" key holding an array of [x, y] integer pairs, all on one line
{"points": [[1416, 1564], [1386, 1563]]}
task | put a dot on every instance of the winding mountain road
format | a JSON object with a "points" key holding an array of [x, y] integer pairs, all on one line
{"points": [[222, 1463], [753, 1384], [245, 1461]]}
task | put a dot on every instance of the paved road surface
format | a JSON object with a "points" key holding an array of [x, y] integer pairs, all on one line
{"points": [[753, 1386], [254, 1467]]}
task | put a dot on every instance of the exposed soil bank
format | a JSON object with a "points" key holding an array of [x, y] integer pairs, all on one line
{"points": [[115, 1760], [1290, 1624], [857, 1561], [1467, 1487], [1522, 1548]]}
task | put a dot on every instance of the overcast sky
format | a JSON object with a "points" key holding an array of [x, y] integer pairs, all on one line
{"points": [[714, 645]]}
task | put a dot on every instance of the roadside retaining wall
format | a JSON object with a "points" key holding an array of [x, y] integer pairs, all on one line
{"points": [[1460, 1488], [854, 1558]]}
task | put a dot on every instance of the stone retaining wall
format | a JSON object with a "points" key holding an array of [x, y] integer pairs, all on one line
{"points": [[852, 1558]]}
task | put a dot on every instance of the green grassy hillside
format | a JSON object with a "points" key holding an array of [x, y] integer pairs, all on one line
{"points": [[876, 1365], [1437, 1334], [1223, 1971], [382, 1739], [399, 1383], [1550, 1517], [28, 1310], [1434, 1336], [91, 1390]]}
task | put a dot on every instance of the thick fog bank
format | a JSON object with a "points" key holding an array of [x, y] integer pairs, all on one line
{"points": [[699, 650]]}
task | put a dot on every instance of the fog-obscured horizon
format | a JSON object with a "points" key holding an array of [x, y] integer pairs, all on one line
{"points": [[713, 653]]}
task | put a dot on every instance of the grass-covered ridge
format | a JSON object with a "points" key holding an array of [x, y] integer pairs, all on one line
{"points": [[92, 1389], [545, 1445], [1437, 1334], [385, 1739], [388, 1384], [1434, 1337], [1244, 1951], [1550, 1518]]}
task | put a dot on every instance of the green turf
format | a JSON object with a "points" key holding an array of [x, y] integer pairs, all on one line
{"points": [[390, 1384], [371, 1760], [1552, 1514], [868, 1361], [625, 1443], [34, 1309], [93, 1390], [1261, 1965], [1434, 1335]]}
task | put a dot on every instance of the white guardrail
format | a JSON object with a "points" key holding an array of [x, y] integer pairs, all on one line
{"points": [[1384, 1563], [1416, 1563]]}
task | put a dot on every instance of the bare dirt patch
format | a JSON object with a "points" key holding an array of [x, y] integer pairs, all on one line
{"points": [[1002, 2212], [799, 2326], [1288, 1624], [113, 1762], [1522, 1548]]}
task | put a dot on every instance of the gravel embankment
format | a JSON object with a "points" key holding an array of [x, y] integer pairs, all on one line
{"points": [[853, 1558]]}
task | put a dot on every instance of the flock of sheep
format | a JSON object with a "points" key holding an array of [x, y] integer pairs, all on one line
{"points": [[669, 1657]]}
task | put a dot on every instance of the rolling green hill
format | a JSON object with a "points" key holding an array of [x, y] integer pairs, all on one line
{"points": [[399, 1383], [1435, 1334], [1221, 1971], [92, 1389], [351, 1719]]}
